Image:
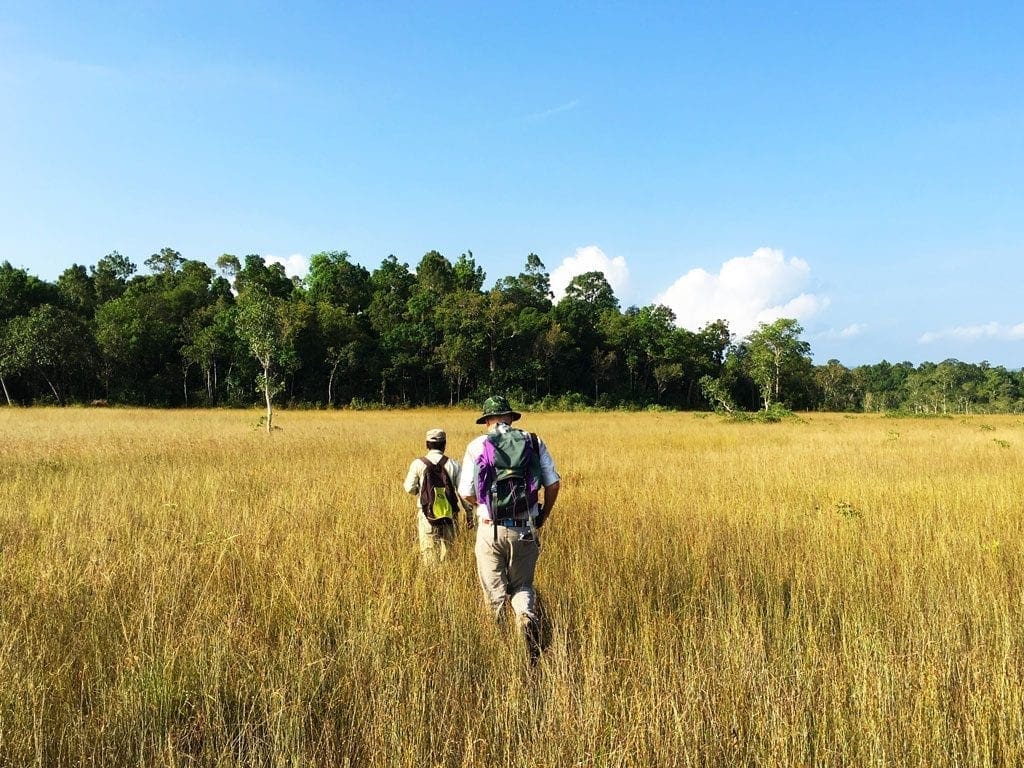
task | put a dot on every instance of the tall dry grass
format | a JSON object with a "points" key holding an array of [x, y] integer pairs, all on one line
{"points": [[179, 589]]}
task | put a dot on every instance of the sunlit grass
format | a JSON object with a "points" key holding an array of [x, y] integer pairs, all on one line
{"points": [[180, 589]]}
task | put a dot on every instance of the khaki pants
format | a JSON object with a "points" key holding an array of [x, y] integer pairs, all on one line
{"points": [[506, 567], [435, 540]]}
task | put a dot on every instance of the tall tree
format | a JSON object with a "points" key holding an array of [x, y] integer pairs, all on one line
{"points": [[463, 322], [434, 285], [20, 293], [334, 279], [392, 284], [77, 291], [837, 386], [342, 340], [268, 327], [777, 353], [466, 274], [166, 261], [110, 276], [47, 341], [588, 298], [269, 279]]}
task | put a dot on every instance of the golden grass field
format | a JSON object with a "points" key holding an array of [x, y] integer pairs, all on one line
{"points": [[180, 589]]}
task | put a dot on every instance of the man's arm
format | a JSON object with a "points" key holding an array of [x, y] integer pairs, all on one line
{"points": [[550, 494], [467, 477], [412, 477], [456, 475]]}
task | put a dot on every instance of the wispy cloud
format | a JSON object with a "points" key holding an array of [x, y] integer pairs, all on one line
{"points": [[851, 331], [978, 332], [590, 259], [569, 105], [746, 291]]}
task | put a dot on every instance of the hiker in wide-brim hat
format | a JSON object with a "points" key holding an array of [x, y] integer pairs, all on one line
{"points": [[510, 477], [498, 406]]}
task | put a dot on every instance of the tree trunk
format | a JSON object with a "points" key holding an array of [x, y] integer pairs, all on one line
{"points": [[60, 400], [4, 385], [330, 383], [266, 393]]}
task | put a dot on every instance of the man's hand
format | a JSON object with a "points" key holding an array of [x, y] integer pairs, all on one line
{"points": [[542, 515]]}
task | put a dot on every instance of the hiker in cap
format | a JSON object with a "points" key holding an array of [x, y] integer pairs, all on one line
{"points": [[503, 473], [434, 479]]}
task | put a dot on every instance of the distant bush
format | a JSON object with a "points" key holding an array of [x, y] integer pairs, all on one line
{"points": [[774, 414], [901, 414]]}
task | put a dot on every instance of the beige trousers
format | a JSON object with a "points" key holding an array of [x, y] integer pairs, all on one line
{"points": [[435, 540], [506, 567]]}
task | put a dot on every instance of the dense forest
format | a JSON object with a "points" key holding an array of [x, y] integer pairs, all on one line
{"points": [[188, 334]]}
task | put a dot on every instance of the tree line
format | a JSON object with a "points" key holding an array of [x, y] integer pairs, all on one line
{"points": [[242, 331]]}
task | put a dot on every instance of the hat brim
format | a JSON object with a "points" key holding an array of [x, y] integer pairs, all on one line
{"points": [[514, 414]]}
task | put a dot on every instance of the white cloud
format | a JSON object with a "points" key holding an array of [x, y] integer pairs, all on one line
{"points": [[295, 265], [590, 259], [991, 330], [747, 290]]}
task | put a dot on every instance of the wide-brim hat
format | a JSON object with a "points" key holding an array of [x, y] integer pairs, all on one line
{"points": [[497, 406]]}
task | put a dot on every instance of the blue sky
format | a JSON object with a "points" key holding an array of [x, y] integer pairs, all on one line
{"points": [[859, 166]]}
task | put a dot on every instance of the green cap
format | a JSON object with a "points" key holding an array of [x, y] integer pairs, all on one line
{"points": [[497, 406]]}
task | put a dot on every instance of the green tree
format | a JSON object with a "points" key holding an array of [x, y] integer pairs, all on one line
{"points": [[229, 266], [717, 393], [136, 335], [466, 275], [433, 287], [520, 314], [166, 262], [256, 274], [392, 284], [47, 341], [208, 342], [463, 321], [77, 291], [342, 341], [110, 276], [20, 293], [838, 386], [268, 325], [776, 354], [588, 298], [334, 279]]}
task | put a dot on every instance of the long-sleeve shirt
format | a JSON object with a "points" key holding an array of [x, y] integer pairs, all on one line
{"points": [[414, 477], [467, 480]]}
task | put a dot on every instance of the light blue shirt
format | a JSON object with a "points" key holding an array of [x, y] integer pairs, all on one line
{"points": [[467, 479]]}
